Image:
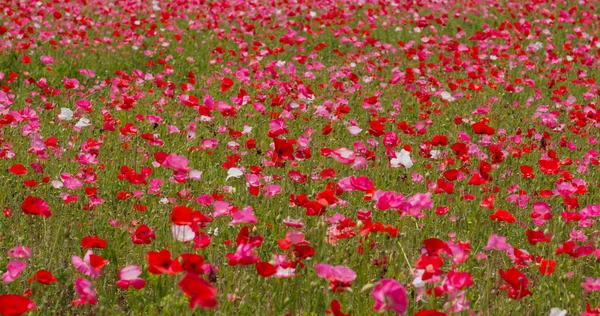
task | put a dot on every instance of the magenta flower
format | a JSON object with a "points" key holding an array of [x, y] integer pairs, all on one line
{"points": [[591, 285], [19, 252], [389, 294], [14, 269], [243, 216], [87, 295]]}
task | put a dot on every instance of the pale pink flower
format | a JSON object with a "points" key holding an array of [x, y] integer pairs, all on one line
{"points": [[129, 276]]}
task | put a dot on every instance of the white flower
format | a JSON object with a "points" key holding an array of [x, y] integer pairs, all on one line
{"points": [[447, 96], [418, 281], [558, 312], [402, 158], [65, 114], [83, 122], [234, 173], [183, 233]]}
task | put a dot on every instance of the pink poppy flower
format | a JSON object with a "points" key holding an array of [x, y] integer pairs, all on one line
{"points": [[19, 252], [496, 242], [389, 294], [14, 269], [129, 276], [87, 295]]}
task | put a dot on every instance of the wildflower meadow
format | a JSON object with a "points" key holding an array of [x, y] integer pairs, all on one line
{"points": [[295, 157]]}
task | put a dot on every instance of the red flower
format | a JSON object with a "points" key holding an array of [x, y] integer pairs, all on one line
{"points": [[284, 150], [161, 262], [265, 269], [430, 312], [547, 266], [18, 169], [43, 277], [14, 305], [336, 309], [439, 140], [35, 206], [451, 174], [431, 265], [93, 242], [192, 263], [517, 281], [503, 216], [201, 292], [481, 128], [549, 166], [436, 246], [527, 172], [534, 237], [143, 235], [182, 215], [226, 84]]}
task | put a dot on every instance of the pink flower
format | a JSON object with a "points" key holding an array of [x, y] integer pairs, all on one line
{"points": [[14, 269], [389, 294], [129, 276], [335, 273], [19, 252], [179, 164], [343, 155], [496, 242], [591, 285], [209, 143], [84, 105], [456, 302], [244, 255], [456, 281], [271, 190], [277, 127], [90, 265], [243, 216], [221, 209], [87, 295], [47, 60], [388, 200]]}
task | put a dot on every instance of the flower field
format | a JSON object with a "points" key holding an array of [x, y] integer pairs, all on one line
{"points": [[293, 157]]}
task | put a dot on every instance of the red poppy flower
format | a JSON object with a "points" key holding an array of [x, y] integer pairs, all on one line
{"points": [[18, 169], [547, 266], [527, 172], [15, 305], [181, 215], [201, 292], [517, 281], [43, 277], [336, 309], [265, 269], [436, 246], [161, 262], [503, 216], [143, 235], [429, 312], [192, 263], [226, 84], [35, 206], [93, 242], [534, 237]]}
